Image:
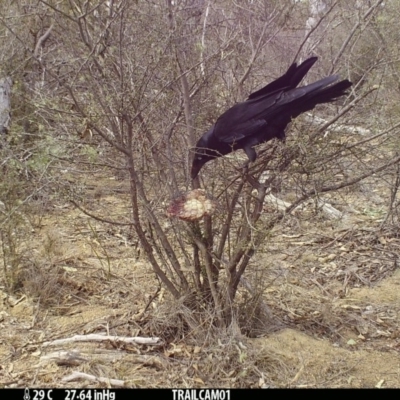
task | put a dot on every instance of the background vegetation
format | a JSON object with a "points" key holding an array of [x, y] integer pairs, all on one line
{"points": [[108, 98]]}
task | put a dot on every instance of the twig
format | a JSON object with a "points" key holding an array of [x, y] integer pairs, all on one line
{"points": [[81, 375], [42, 40], [353, 31], [324, 189], [312, 30], [107, 221], [140, 316]]}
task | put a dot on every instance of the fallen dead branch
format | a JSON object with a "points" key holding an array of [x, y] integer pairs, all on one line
{"points": [[76, 357], [70, 358], [329, 210], [81, 375], [104, 338], [326, 208]]}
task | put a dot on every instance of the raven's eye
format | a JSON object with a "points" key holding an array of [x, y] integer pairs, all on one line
{"points": [[199, 158]]}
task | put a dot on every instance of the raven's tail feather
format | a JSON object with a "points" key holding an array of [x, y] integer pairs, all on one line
{"points": [[325, 94], [331, 93], [289, 80], [301, 71], [305, 98], [299, 100]]}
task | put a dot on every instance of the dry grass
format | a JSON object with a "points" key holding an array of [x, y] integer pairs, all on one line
{"points": [[332, 288]]}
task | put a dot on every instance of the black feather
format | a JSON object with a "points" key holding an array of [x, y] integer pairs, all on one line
{"points": [[265, 114]]}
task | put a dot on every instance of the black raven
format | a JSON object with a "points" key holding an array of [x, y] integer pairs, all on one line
{"points": [[265, 114]]}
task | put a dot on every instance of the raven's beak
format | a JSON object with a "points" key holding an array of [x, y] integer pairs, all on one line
{"points": [[195, 170]]}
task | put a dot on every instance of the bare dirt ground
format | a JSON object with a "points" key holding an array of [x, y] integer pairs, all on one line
{"points": [[333, 287]]}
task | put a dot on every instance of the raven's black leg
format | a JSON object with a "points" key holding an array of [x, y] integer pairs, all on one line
{"points": [[245, 170], [251, 153]]}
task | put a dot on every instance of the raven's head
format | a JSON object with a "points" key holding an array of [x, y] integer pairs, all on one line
{"points": [[204, 152], [208, 148], [202, 155]]}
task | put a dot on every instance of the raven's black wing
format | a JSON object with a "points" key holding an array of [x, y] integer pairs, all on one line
{"points": [[247, 118]]}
